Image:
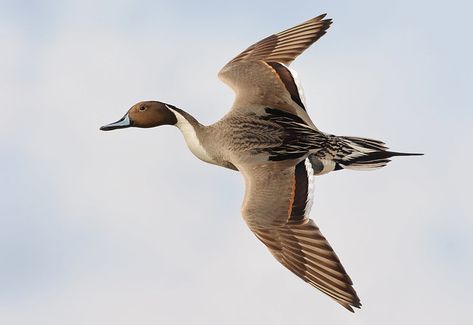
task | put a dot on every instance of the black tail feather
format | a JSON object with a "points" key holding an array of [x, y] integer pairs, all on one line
{"points": [[379, 155], [366, 154]]}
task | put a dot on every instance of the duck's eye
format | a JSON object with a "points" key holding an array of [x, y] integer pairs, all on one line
{"points": [[142, 108]]}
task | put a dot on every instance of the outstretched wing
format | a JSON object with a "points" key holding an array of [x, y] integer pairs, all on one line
{"points": [[260, 75], [276, 207]]}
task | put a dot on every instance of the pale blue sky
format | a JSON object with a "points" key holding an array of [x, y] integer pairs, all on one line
{"points": [[128, 227]]}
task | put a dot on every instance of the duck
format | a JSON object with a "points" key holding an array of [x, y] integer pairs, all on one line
{"points": [[270, 139]]}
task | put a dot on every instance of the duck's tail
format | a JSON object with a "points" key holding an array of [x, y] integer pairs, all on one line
{"points": [[366, 154], [355, 153]]}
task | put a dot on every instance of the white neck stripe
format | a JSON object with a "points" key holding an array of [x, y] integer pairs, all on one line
{"points": [[190, 136]]}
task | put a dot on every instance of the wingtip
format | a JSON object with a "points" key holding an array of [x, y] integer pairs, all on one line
{"points": [[321, 18], [350, 307]]}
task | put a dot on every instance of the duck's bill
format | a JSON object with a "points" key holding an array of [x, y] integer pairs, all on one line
{"points": [[122, 123]]}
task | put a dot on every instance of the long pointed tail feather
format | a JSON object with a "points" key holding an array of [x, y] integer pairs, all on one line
{"points": [[372, 160], [354, 153], [366, 154]]}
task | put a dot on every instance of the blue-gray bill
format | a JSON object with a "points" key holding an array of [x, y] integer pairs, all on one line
{"points": [[122, 123]]}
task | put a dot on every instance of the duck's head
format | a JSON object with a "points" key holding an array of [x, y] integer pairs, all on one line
{"points": [[146, 114]]}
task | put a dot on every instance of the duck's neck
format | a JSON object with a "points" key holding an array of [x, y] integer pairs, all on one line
{"points": [[192, 131]]}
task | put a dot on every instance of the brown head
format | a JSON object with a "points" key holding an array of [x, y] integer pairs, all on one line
{"points": [[146, 114]]}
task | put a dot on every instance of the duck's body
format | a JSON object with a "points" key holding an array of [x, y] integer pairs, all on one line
{"points": [[269, 137], [238, 139]]}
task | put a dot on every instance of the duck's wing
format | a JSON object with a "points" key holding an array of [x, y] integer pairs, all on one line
{"points": [[260, 75], [285, 46], [276, 207]]}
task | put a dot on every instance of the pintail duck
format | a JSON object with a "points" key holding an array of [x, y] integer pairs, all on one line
{"points": [[269, 137]]}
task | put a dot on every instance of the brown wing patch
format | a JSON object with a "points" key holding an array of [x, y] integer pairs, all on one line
{"points": [[288, 80], [292, 197], [300, 193]]}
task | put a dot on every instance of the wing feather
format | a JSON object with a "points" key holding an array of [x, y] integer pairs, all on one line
{"points": [[285, 46], [294, 239], [312, 260], [260, 75]]}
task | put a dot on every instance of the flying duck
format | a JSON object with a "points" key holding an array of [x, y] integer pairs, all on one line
{"points": [[270, 139]]}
